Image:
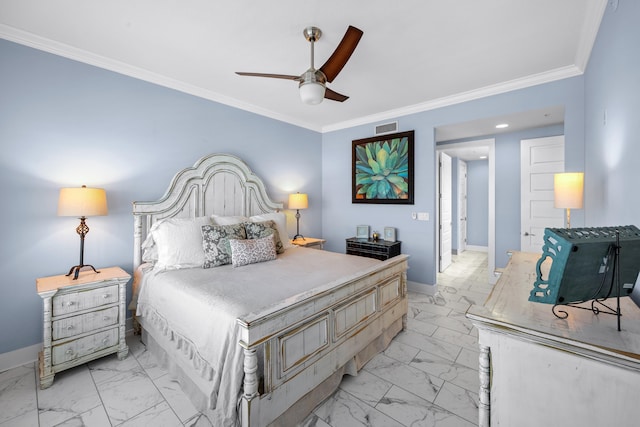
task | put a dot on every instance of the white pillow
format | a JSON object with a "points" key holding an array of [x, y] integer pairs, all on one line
{"points": [[228, 220], [179, 242], [251, 251], [281, 224]]}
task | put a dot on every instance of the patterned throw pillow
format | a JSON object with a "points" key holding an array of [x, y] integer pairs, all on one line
{"points": [[250, 251], [215, 242], [257, 230]]}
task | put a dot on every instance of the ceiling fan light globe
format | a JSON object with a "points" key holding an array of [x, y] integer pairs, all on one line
{"points": [[312, 93]]}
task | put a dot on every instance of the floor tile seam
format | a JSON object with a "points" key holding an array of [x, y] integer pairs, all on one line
{"points": [[36, 372], [378, 402], [153, 381], [458, 345], [100, 405], [135, 415], [451, 362], [395, 419], [149, 408], [467, 331], [447, 343], [164, 398], [400, 386], [418, 332], [93, 380], [475, 421], [398, 360]]}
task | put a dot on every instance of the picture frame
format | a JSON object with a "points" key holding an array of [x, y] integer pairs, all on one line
{"points": [[389, 234], [362, 232], [383, 169]]}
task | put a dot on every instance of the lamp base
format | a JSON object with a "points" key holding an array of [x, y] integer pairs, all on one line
{"points": [[298, 236], [76, 270]]}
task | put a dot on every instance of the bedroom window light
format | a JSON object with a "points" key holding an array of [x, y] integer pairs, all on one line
{"points": [[82, 202], [298, 201]]}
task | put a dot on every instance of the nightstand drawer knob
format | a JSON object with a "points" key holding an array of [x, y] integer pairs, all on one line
{"points": [[105, 296], [105, 318], [70, 327], [70, 303], [105, 340], [69, 351]]}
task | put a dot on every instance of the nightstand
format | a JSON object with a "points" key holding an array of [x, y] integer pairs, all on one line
{"points": [[309, 242], [84, 319], [379, 249]]}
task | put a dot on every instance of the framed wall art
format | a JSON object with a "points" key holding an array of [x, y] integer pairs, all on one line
{"points": [[362, 232], [389, 234], [382, 169]]}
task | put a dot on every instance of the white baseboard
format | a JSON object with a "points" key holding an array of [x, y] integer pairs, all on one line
{"points": [[19, 357], [421, 288], [477, 248], [25, 355]]}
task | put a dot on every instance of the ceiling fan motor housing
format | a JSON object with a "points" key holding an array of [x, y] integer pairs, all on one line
{"points": [[312, 86]]}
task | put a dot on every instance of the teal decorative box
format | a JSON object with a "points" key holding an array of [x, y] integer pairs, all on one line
{"points": [[582, 267]]}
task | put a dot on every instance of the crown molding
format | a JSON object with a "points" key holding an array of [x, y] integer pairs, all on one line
{"points": [[587, 40], [497, 89], [592, 22], [47, 45]]}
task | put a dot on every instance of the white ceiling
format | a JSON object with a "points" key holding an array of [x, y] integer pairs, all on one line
{"points": [[415, 55]]}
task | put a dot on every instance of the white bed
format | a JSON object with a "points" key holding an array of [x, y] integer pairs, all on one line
{"points": [[264, 343]]}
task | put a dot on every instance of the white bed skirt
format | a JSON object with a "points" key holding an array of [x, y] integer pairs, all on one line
{"points": [[181, 370]]}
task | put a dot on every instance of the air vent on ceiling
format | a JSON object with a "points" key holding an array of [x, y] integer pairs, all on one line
{"points": [[386, 128]]}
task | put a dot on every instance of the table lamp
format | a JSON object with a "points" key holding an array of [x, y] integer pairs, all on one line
{"points": [[82, 202], [568, 192], [298, 201]]}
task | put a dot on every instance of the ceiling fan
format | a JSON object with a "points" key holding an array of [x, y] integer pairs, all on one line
{"points": [[313, 81]]}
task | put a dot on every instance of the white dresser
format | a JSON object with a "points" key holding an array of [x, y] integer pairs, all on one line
{"points": [[84, 319], [540, 370]]}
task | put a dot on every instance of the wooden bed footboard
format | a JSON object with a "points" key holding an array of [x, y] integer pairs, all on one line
{"points": [[305, 343]]}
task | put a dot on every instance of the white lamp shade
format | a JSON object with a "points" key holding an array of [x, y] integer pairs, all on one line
{"points": [[82, 201], [312, 93], [568, 189], [298, 201]]}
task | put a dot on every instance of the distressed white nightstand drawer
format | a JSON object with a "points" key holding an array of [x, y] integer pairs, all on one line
{"points": [[83, 300], [84, 346], [84, 323]]}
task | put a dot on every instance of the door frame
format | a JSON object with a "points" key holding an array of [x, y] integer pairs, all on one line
{"points": [[442, 226], [462, 200], [491, 247]]}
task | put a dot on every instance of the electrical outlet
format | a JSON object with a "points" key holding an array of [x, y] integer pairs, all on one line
{"points": [[414, 215]]}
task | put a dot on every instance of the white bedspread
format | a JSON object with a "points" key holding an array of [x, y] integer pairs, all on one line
{"points": [[196, 309]]}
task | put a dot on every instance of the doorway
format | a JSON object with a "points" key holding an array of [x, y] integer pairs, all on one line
{"points": [[467, 151]]}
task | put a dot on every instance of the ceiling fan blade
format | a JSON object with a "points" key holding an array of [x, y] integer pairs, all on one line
{"points": [[273, 76], [343, 52], [334, 96]]}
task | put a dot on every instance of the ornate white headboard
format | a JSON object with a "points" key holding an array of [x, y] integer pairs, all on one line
{"points": [[219, 184]]}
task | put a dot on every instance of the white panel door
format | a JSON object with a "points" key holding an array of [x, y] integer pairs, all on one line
{"points": [[462, 206], [540, 159], [445, 211]]}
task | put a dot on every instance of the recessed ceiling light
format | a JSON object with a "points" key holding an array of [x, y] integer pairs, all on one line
{"points": [[483, 157], [502, 126]]}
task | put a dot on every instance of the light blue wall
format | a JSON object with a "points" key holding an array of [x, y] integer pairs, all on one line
{"points": [[612, 83], [478, 203], [340, 217], [63, 123]]}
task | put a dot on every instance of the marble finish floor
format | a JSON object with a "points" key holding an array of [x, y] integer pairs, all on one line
{"points": [[427, 377]]}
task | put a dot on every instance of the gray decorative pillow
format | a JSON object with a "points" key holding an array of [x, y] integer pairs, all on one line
{"points": [[215, 242], [258, 230], [250, 251]]}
